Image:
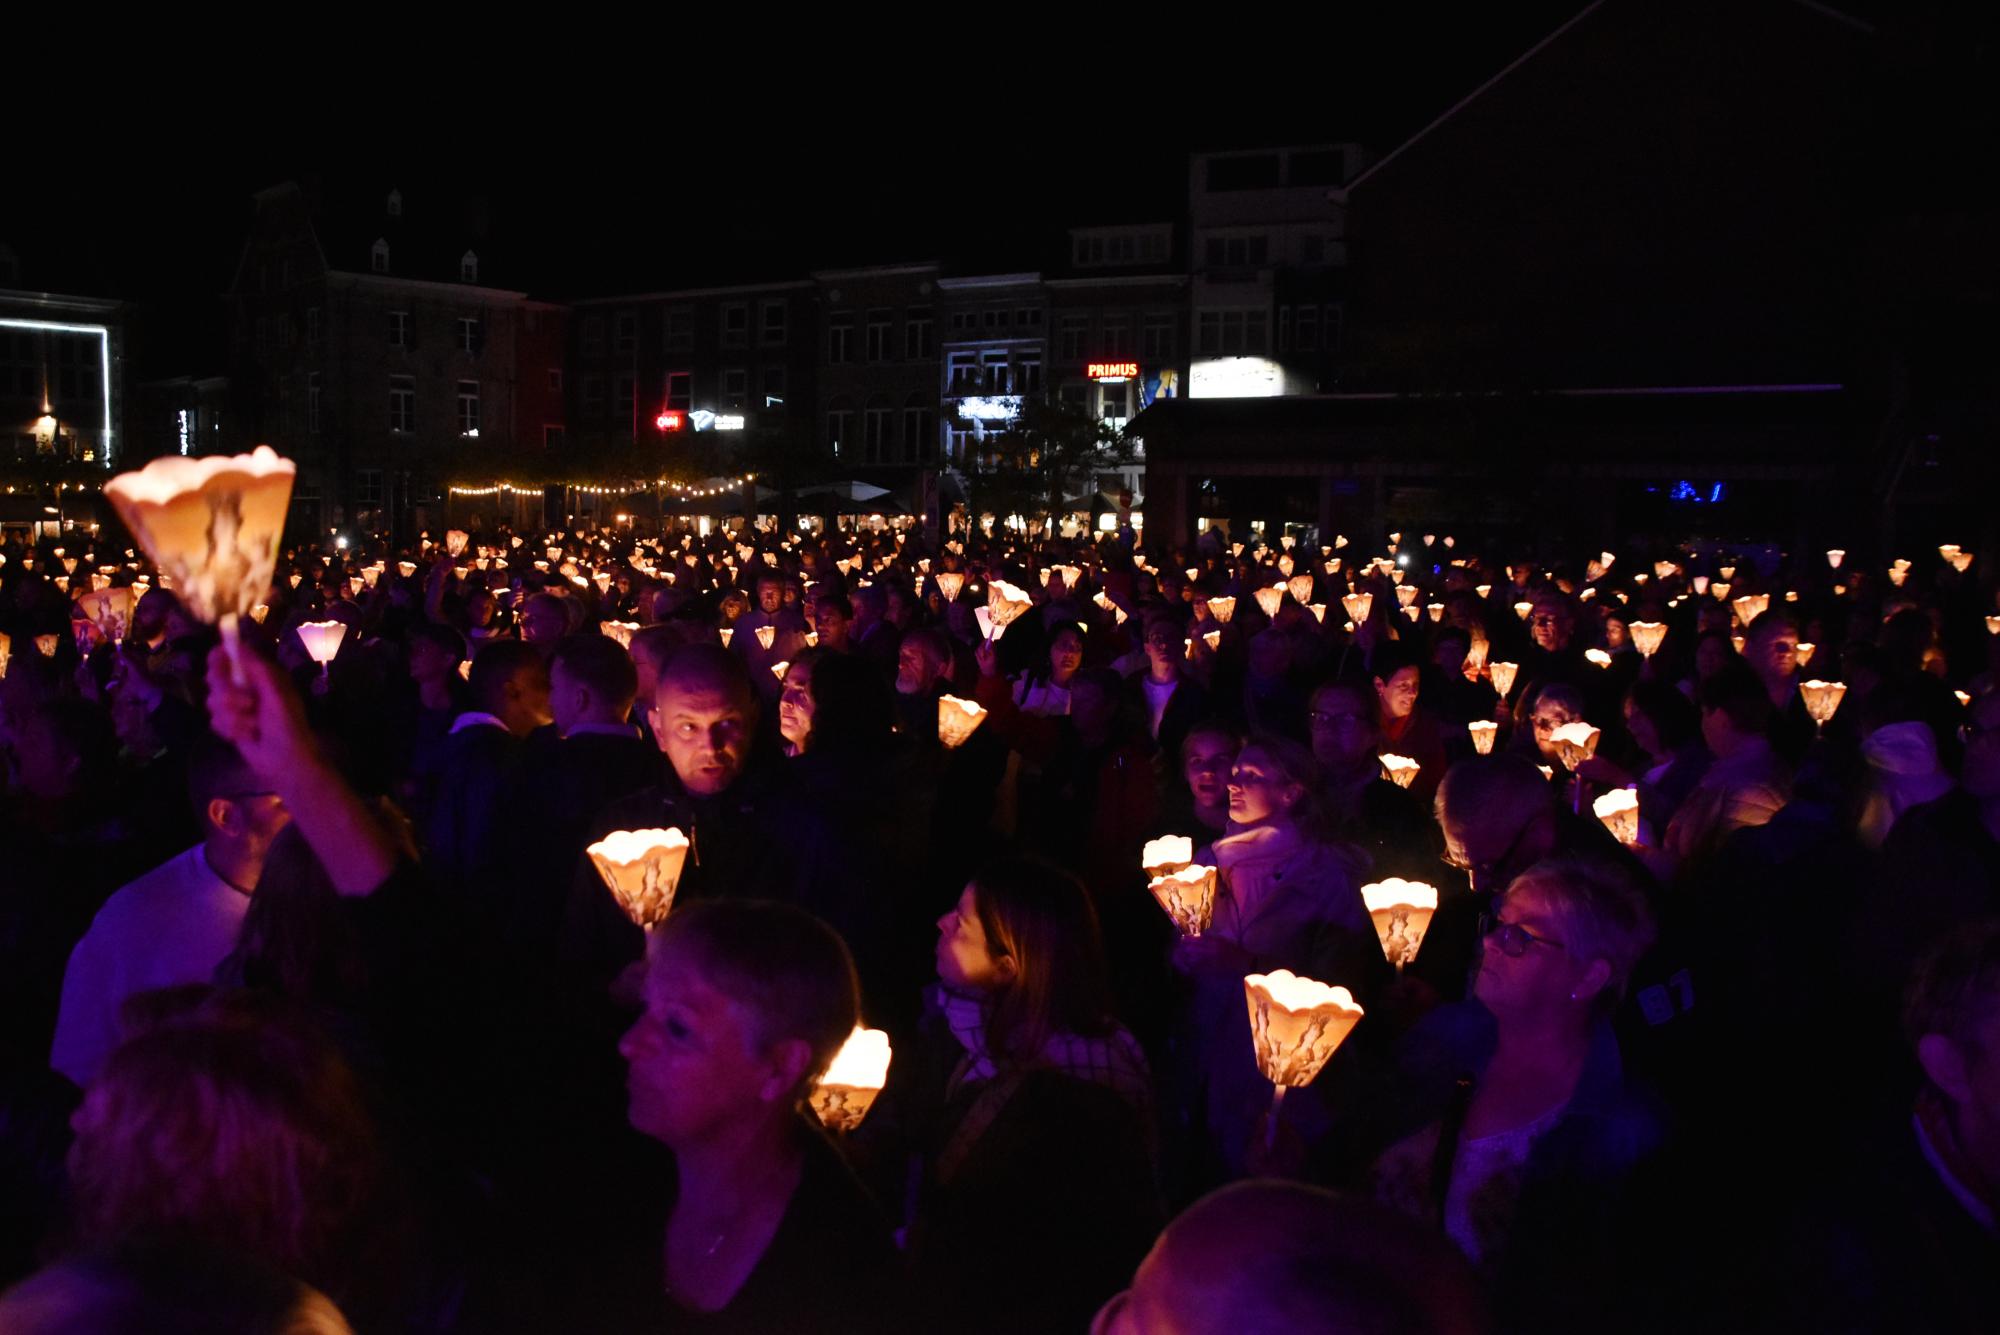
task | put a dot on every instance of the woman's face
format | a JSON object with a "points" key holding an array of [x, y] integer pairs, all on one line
{"points": [[1543, 975], [1616, 637], [1258, 789], [1065, 654], [1206, 761], [692, 1064], [1549, 715], [795, 705], [965, 958]]}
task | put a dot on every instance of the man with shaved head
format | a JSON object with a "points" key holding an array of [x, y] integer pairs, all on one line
{"points": [[1278, 1258]]}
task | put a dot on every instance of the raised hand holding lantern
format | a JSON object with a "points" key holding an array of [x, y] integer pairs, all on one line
{"points": [[642, 869]]}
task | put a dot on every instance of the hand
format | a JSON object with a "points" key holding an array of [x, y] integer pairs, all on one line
{"points": [[261, 715], [988, 659], [1601, 771]]}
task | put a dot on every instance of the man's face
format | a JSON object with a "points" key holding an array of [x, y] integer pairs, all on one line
{"points": [[1163, 645], [1342, 729], [832, 625], [567, 699], [1549, 623], [692, 1059], [706, 733], [529, 702], [543, 623], [1774, 653], [915, 670], [1398, 694], [770, 596]]}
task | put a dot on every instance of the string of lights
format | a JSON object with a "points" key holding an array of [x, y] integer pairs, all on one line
{"points": [[681, 489]]}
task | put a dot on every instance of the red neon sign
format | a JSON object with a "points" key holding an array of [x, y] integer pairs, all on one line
{"points": [[1112, 370], [669, 421]]}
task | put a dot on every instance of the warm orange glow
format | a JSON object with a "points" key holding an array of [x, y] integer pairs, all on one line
{"points": [[957, 720], [1401, 769], [1483, 732], [1296, 1024], [1188, 896], [1619, 810], [1402, 913], [642, 869]]}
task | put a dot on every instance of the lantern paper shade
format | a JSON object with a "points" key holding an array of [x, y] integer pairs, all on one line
{"points": [[1270, 600], [1005, 603], [1402, 913], [957, 720], [211, 525], [45, 645], [109, 609], [1401, 769], [1503, 677], [1597, 658], [1166, 855], [1301, 588], [778, 669], [1647, 636], [728, 633], [1805, 651], [1521, 610], [1222, 609], [1213, 639], [766, 636], [6, 652], [950, 583], [620, 631], [1834, 557], [1436, 610], [1822, 698], [642, 869], [1483, 732], [1319, 612], [845, 1093], [1188, 896], [1993, 625], [1576, 743], [1358, 606], [1751, 606], [1619, 810], [1406, 594], [1295, 1025], [322, 639]]}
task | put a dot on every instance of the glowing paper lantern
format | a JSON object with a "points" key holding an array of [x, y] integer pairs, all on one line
{"points": [[1213, 639], [1597, 657], [1436, 611], [1188, 896], [847, 1091], [1222, 609], [620, 631], [1270, 600], [1806, 650], [1575, 743], [957, 720], [1834, 557], [1961, 561], [950, 583], [778, 669], [212, 525], [6, 652], [1822, 699], [1993, 625], [1751, 606], [110, 610], [1358, 606], [454, 541], [1700, 585], [642, 869], [766, 636], [1402, 912], [1619, 810], [1483, 732], [1503, 677], [1401, 769], [1727, 572], [1406, 594], [45, 645], [1005, 604], [1319, 612], [1301, 589], [1166, 855], [1522, 609], [728, 633], [1720, 589], [1296, 1024], [1647, 636], [1483, 590]]}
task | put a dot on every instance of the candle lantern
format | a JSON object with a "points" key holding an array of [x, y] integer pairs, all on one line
{"points": [[1822, 699], [1269, 600], [1522, 609], [778, 669], [1503, 677], [1720, 588], [1993, 625], [845, 1093], [322, 641], [1483, 590], [6, 652], [110, 610], [1619, 810], [1834, 557], [1805, 652], [728, 633], [1700, 585], [212, 526], [642, 869], [1295, 1026], [1402, 912], [1483, 732], [1751, 606], [1005, 605], [1319, 612], [957, 720], [1213, 639], [1597, 657], [1436, 611], [766, 636], [950, 583], [1166, 855], [620, 631], [1406, 594], [45, 645], [1188, 896], [454, 541], [1222, 609], [1401, 769], [1358, 606], [1647, 636], [1575, 743]]}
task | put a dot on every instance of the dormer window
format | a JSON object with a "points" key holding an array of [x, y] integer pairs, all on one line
{"points": [[378, 258], [395, 204], [468, 268]]}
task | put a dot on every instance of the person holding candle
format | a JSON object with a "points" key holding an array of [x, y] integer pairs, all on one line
{"points": [[1666, 730], [1405, 728], [1748, 782], [1525, 1127], [1171, 698], [1364, 807], [1198, 805]]}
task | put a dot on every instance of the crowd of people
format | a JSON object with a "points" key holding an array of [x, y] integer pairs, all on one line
{"points": [[318, 1016]]}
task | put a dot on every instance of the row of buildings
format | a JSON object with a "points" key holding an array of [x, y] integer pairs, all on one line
{"points": [[1599, 285]]}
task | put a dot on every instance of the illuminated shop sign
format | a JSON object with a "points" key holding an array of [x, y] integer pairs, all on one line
{"points": [[1111, 370], [704, 420], [669, 421], [998, 408]]}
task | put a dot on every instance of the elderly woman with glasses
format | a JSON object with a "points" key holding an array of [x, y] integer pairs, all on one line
{"points": [[1526, 1126]]}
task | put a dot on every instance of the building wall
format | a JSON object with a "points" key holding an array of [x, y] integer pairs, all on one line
{"points": [[52, 380], [900, 377]]}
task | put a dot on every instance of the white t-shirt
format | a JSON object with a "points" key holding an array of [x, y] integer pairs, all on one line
{"points": [[173, 925], [1158, 693]]}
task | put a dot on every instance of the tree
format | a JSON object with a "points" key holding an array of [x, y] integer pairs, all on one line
{"points": [[1050, 452]]}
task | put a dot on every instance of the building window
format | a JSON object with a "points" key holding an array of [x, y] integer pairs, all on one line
{"points": [[680, 391], [1112, 403], [1029, 317], [1232, 333], [961, 321], [378, 256], [468, 407], [312, 325], [876, 440], [624, 334], [774, 387], [552, 436], [399, 329], [1069, 337], [312, 401], [999, 380], [735, 324], [1156, 338], [839, 428], [394, 205], [623, 390], [402, 404], [593, 398], [680, 328], [1116, 339], [468, 334], [1237, 252], [1306, 331], [840, 339], [1073, 398], [368, 489], [996, 319], [590, 338], [468, 268], [962, 373], [555, 380], [775, 323], [1329, 333], [878, 336], [917, 337], [919, 432], [735, 388], [1028, 373]]}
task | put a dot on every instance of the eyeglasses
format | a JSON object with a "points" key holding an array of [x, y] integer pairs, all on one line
{"points": [[1512, 938]]}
